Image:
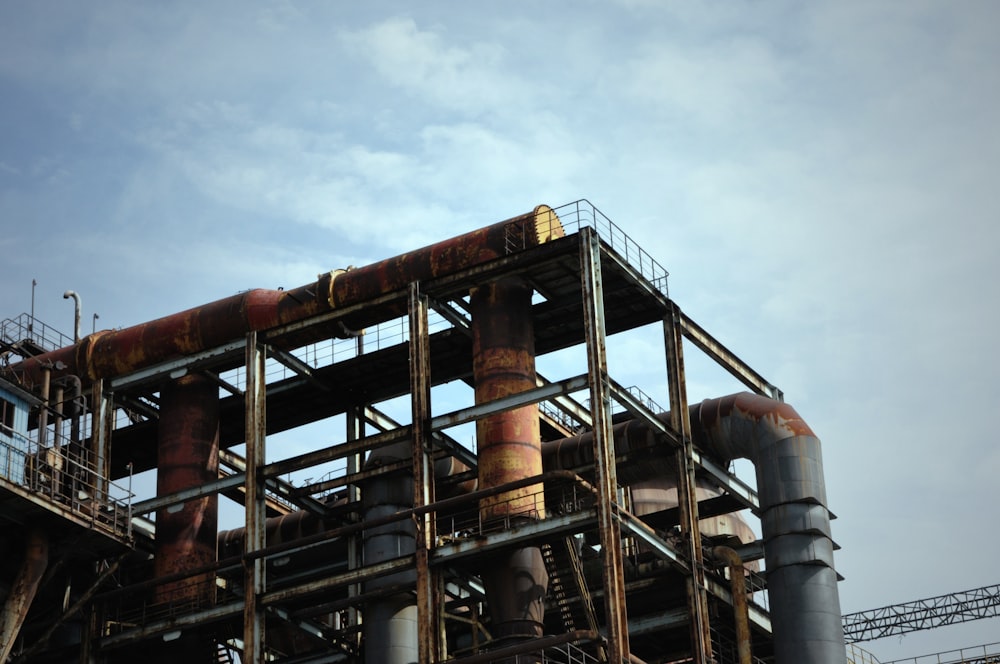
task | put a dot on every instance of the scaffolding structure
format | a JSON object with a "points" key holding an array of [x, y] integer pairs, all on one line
{"points": [[297, 581]]}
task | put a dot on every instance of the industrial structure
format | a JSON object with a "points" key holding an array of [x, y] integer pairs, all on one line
{"points": [[581, 522]]}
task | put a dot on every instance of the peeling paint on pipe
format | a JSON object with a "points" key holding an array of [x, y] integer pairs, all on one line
{"points": [[108, 353], [509, 445], [187, 457]]}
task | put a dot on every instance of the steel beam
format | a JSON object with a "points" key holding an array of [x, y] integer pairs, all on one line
{"points": [[102, 423], [176, 368], [687, 499], [616, 617], [256, 510], [725, 358], [526, 398], [429, 623]]}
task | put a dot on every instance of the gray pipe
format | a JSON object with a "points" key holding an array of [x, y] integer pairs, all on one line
{"points": [[798, 549], [390, 623]]}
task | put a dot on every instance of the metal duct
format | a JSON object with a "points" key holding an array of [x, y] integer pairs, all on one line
{"points": [[509, 449], [798, 549], [390, 622], [115, 353]]}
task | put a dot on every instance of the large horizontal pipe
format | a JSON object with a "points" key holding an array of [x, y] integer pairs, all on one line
{"points": [[108, 353]]}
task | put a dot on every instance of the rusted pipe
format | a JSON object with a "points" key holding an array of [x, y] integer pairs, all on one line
{"points": [[503, 363], [107, 353], [509, 443], [741, 609], [22, 592], [187, 457]]}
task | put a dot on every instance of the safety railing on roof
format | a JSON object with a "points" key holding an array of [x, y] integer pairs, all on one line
{"points": [[858, 655], [582, 213], [572, 216], [30, 335]]}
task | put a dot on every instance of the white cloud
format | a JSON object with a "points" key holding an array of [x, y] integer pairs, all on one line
{"points": [[432, 65]]}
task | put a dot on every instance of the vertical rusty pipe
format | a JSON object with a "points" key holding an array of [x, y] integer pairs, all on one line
{"points": [[22, 592], [741, 610], [509, 450], [187, 457]]}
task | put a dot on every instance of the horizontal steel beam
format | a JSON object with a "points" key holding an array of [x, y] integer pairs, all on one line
{"points": [[359, 575], [178, 367], [173, 624], [511, 402], [727, 359], [520, 534]]}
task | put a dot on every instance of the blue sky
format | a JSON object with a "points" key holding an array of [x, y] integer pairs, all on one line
{"points": [[819, 179]]}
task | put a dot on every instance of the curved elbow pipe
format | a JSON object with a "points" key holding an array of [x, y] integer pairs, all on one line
{"points": [[77, 308], [795, 523], [798, 549]]}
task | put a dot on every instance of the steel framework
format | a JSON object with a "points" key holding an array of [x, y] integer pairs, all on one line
{"points": [[300, 580], [948, 609]]}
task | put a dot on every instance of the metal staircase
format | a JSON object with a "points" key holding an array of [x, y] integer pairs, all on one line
{"points": [[568, 586]]}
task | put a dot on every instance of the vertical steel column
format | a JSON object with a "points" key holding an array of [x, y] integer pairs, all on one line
{"points": [[428, 618], [604, 459], [254, 579], [22, 591], [355, 431], [687, 500]]}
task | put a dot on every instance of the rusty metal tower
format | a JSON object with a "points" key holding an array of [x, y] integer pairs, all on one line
{"points": [[583, 526]]}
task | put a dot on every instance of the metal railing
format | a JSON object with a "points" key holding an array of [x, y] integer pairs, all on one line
{"points": [[984, 654], [582, 213], [64, 475], [27, 328]]}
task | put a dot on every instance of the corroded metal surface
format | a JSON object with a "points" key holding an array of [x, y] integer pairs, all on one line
{"points": [[115, 353], [509, 450], [22, 591], [504, 364], [188, 456], [606, 479], [738, 588]]}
